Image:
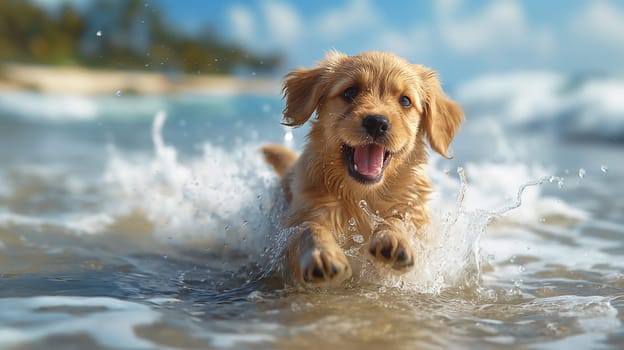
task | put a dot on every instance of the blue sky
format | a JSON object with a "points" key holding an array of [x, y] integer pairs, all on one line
{"points": [[459, 38]]}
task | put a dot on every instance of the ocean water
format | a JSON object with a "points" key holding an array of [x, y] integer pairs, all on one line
{"points": [[132, 222]]}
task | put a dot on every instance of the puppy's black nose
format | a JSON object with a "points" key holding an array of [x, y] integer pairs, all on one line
{"points": [[376, 125]]}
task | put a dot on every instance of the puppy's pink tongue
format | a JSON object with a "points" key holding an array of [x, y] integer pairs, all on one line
{"points": [[368, 159]]}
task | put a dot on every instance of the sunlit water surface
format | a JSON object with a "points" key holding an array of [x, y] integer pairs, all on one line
{"points": [[149, 222]]}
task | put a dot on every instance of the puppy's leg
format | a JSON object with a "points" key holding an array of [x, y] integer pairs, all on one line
{"points": [[389, 245], [315, 257]]}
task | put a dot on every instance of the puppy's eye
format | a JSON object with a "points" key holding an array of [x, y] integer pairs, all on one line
{"points": [[350, 93], [405, 101]]}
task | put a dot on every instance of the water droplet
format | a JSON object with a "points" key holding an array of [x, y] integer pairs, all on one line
{"points": [[515, 291], [226, 228], [118, 93], [604, 168], [98, 33], [358, 239], [253, 74], [552, 327], [542, 220], [560, 183], [352, 224], [521, 268], [582, 173], [288, 136], [256, 295], [491, 294], [147, 65]]}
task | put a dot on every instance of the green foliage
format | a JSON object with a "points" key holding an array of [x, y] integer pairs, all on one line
{"points": [[132, 36]]}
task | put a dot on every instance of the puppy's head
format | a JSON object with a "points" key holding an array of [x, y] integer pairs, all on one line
{"points": [[373, 110]]}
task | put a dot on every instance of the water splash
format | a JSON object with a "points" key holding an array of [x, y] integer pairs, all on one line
{"points": [[517, 201], [191, 203], [223, 200], [376, 220]]}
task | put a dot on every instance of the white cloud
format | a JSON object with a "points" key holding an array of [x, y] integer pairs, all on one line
{"points": [[341, 22], [501, 23], [600, 21], [413, 44], [283, 22], [446, 8], [242, 23], [500, 28]]}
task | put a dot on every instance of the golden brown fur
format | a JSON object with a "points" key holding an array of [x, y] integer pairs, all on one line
{"points": [[323, 190]]}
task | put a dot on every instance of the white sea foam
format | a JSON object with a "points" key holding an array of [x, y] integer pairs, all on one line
{"points": [[590, 107], [30, 105], [77, 223], [66, 107]]}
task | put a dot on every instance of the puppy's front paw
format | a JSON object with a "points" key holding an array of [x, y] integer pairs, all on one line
{"points": [[325, 265], [389, 248]]}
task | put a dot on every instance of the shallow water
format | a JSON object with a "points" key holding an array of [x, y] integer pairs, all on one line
{"points": [[119, 229]]}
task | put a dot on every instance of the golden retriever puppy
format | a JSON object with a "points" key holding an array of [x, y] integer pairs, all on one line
{"points": [[374, 114]]}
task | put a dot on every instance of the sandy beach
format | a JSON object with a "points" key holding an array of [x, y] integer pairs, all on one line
{"points": [[78, 80]]}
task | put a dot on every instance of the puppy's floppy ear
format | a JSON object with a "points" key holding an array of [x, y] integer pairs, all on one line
{"points": [[443, 116], [302, 90]]}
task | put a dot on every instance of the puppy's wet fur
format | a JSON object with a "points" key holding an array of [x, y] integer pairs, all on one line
{"points": [[375, 114]]}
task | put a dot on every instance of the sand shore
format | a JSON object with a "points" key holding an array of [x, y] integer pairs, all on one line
{"points": [[77, 80]]}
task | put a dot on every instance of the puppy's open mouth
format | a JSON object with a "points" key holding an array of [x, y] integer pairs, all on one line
{"points": [[366, 163]]}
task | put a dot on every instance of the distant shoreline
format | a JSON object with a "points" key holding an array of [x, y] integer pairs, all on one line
{"points": [[85, 81]]}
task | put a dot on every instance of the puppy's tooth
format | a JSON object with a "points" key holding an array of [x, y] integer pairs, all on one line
{"points": [[355, 167]]}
